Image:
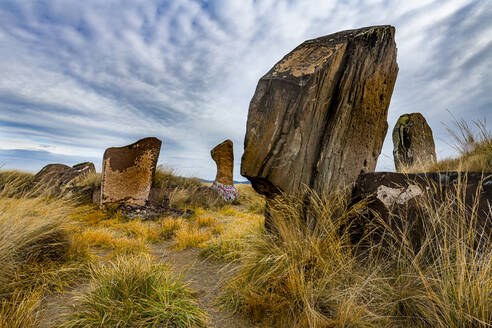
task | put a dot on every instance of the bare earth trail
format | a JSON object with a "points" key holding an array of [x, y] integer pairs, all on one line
{"points": [[204, 277]]}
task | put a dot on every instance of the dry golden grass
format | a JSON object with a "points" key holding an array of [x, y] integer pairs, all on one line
{"points": [[48, 244], [89, 215], [229, 211], [474, 149], [134, 228], [217, 228], [184, 192], [109, 239], [249, 197], [191, 236], [169, 226], [205, 221], [312, 277], [110, 230], [37, 255], [14, 183], [21, 310], [93, 180], [31, 231], [231, 239], [135, 292]]}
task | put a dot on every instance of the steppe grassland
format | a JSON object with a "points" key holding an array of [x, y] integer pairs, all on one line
{"points": [[53, 244], [303, 277]]}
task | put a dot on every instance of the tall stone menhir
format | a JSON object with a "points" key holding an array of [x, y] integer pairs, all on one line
{"points": [[318, 117], [127, 172], [413, 143], [223, 155]]}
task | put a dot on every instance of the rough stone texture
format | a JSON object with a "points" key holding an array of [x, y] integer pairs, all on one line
{"points": [[56, 177], [128, 171], [318, 117], [223, 155], [413, 143], [96, 195], [394, 196]]}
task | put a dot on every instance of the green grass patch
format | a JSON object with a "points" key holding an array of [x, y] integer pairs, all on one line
{"points": [[135, 292]]}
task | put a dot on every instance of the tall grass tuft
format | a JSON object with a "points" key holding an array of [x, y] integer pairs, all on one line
{"points": [[190, 236], [93, 180], [135, 292], [474, 146], [14, 183], [310, 275], [31, 231], [36, 257], [20, 310]]}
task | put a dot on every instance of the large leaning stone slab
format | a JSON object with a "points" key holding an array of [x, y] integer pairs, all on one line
{"points": [[318, 117], [413, 143], [223, 155], [128, 171], [56, 177]]}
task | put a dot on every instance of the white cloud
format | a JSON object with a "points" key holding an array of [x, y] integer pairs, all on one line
{"points": [[78, 77]]}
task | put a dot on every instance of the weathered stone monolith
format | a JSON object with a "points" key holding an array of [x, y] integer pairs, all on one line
{"points": [[402, 202], [318, 117], [413, 143], [127, 172], [53, 178], [223, 155]]}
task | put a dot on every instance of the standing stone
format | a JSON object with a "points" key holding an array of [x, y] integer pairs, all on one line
{"points": [[127, 172], [223, 155], [53, 178], [318, 117], [401, 201], [413, 143]]}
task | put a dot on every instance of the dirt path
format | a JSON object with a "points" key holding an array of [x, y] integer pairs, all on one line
{"points": [[204, 277]]}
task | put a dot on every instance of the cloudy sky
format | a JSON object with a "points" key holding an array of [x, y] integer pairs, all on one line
{"points": [[80, 76]]}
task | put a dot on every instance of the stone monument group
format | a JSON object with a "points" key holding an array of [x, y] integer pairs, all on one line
{"points": [[317, 119]]}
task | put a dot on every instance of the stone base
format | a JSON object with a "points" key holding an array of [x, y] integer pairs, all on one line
{"points": [[228, 193]]}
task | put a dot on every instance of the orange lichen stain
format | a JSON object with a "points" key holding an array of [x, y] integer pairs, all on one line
{"points": [[306, 60]]}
